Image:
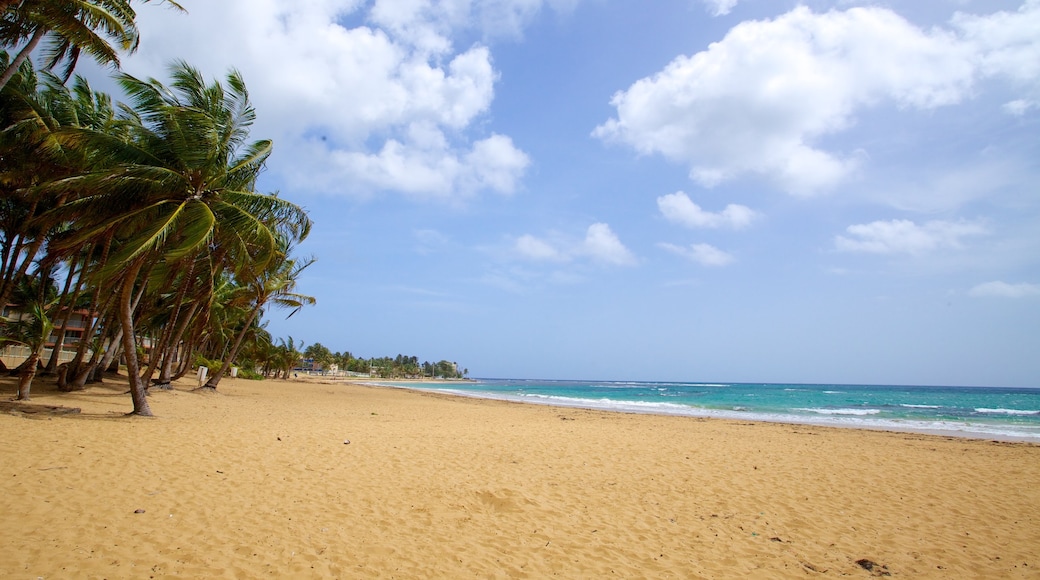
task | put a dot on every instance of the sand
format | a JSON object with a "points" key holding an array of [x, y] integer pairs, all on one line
{"points": [[259, 481]]}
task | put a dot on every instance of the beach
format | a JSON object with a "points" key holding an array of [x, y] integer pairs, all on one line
{"points": [[312, 479]]}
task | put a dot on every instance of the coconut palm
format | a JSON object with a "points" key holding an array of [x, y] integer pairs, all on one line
{"points": [[100, 28], [274, 286], [34, 109], [31, 326], [181, 183], [32, 331], [288, 356]]}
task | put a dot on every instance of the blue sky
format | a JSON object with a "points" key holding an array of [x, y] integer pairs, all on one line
{"points": [[723, 190]]}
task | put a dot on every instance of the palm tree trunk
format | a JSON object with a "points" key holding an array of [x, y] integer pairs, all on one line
{"points": [[24, 54], [212, 382], [165, 375], [126, 322], [161, 347], [28, 372], [66, 307]]}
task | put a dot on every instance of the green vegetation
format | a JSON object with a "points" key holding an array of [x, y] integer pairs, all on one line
{"points": [[147, 210], [321, 359], [134, 230]]}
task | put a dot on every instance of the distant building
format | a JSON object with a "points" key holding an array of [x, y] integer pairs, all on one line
{"points": [[75, 329]]}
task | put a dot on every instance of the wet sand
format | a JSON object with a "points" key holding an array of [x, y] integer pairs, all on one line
{"points": [[259, 480]]}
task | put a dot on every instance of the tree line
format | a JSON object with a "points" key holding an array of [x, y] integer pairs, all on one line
{"points": [[144, 216], [401, 366]]}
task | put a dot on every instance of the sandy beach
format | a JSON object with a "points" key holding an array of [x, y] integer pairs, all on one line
{"points": [[305, 479]]}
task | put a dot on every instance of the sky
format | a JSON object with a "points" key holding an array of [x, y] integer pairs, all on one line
{"points": [[677, 190]]}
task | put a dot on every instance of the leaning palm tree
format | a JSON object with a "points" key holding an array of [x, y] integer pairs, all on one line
{"points": [[181, 183], [100, 28], [275, 286]]}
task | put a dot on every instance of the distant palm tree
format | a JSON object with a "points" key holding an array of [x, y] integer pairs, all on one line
{"points": [[288, 356], [275, 286]]}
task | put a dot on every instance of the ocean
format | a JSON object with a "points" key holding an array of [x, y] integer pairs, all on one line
{"points": [[977, 412]]}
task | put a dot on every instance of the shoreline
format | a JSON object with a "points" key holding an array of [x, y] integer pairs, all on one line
{"points": [[837, 423], [305, 479]]}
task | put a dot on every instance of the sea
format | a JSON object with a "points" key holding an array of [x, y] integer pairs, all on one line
{"points": [[1007, 414]]}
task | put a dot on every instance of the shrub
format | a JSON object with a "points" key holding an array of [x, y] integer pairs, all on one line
{"points": [[250, 374]]}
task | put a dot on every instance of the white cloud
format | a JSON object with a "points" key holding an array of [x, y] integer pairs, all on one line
{"points": [[761, 100], [600, 244], [720, 7], [536, 249], [1006, 43], [1019, 107], [351, 107], [703, 254], [906, 237], [603, 245], [1005, 290], [679, 208], [423, 165]]}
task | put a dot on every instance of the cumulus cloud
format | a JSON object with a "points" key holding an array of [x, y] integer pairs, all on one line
{"points": [[423, 164], [679, 208], [603, 245], [390, 104], [600, 244], [1005, 290], [703, 254], [1005, 43], [761, 100], [906, 237]]}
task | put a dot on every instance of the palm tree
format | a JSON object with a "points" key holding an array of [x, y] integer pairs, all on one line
{"points": [[74, 26], [35, 109], [276, 286], [31, 328], [29, 153], [287, 357], [181, 184]]}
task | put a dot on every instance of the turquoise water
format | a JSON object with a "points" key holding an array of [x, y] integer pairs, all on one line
{"points": [[982, 412]]}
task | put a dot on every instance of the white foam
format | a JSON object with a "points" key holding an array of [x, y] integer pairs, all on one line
{"points": [[841, 411], [857, 418], [1007, 412], [921, 406]]}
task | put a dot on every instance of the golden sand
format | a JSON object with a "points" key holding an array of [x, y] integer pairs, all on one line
{"points": [[259, 481]]}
